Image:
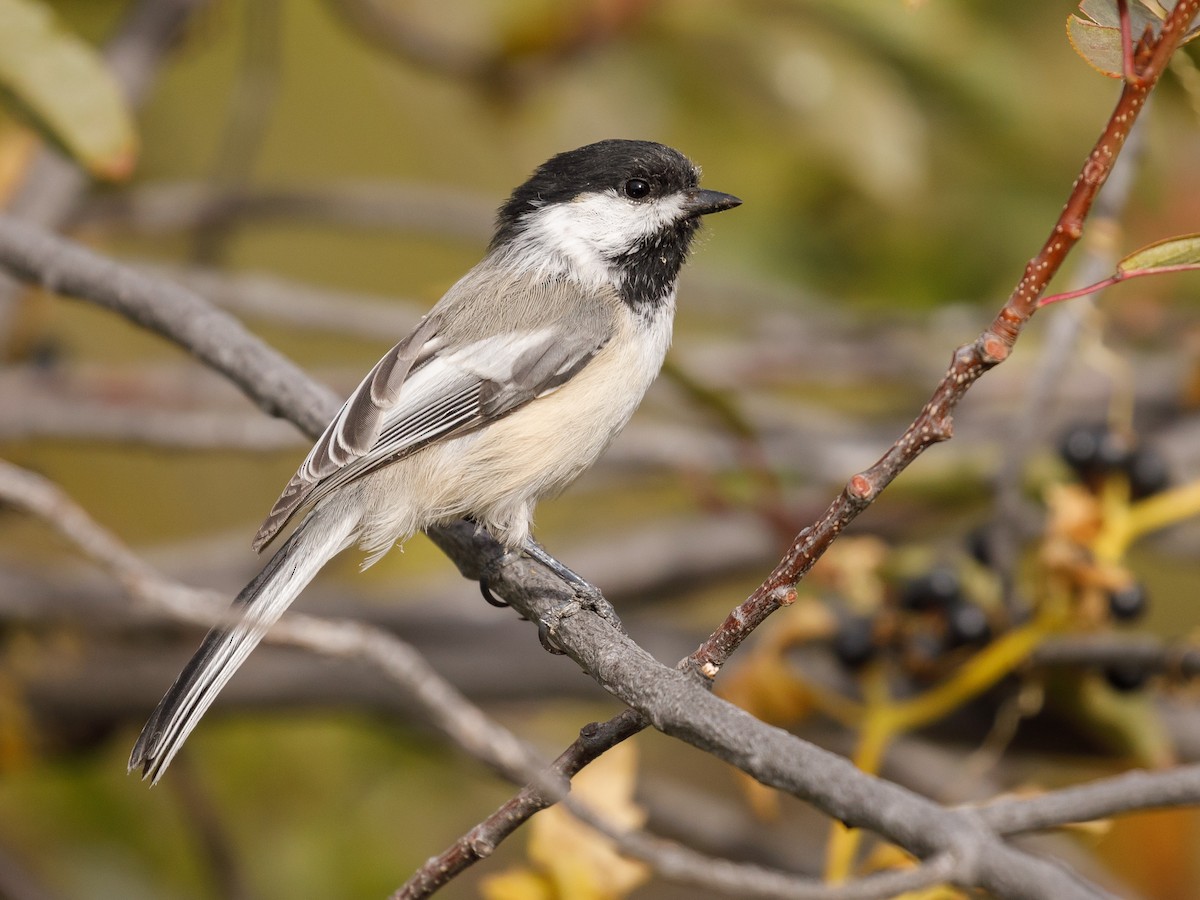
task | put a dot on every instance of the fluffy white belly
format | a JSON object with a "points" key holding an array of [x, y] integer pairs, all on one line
{"points": [[497, 474]]}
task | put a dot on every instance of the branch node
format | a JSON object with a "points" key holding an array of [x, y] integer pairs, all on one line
{"points": [[709, 670], [861, 487], [480, 847], [941, 428], [995, 348], [785, 596], [1010, 320]]}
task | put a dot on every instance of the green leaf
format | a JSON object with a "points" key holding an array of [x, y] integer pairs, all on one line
{"points": [[1165, 254], [1141, 15], [61, 85], [1095, 31], [1099, 45]]}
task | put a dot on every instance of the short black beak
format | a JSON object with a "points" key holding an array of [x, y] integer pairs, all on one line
{"points": [[700, 202]]}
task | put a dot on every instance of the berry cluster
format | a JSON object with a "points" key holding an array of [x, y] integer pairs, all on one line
{"points": [[1097, 452], [931, 616]]}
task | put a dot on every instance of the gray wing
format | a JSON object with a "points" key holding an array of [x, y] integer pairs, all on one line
{"points": [[428, 387]]}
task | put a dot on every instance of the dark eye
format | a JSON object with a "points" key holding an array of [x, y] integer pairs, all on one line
{"points": [[637, 188]]}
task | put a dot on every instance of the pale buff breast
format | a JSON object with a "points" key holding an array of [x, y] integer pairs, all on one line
{"points": [[497, 474]]}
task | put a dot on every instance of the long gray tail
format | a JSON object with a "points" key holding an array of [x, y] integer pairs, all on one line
{"points": [[226, 647]]}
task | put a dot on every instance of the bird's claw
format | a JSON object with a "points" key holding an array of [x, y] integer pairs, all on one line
{"points": [[549, 621], [489, 596], [586, 598]]}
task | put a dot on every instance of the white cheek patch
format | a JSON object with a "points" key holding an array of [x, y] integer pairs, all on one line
{"points": [[594, 229]]}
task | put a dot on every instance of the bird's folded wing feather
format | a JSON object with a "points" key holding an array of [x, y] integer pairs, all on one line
{"points": [[430, 386]]}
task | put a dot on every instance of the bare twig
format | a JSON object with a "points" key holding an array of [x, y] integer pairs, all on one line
{"points": [[1121, 794], [1179, 659], [1004, 536], [482, 840]]}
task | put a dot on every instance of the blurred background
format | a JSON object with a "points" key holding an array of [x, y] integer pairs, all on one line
{"points": [[325, 170]]}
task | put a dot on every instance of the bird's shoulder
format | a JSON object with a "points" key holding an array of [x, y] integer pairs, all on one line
{"points": [[495, 301]]}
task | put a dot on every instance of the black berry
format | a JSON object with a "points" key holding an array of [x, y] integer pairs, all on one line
{"points": [[1128, 603], [1093, 451], [1126, 676], [936, 589], [967, 623], [1147, 472], [854, 642]]}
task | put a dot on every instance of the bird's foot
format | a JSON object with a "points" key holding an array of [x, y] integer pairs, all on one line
{"points": [[587, 597]]}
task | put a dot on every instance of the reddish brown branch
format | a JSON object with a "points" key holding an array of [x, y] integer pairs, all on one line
{"points": [[482, 840], [934, 422]]}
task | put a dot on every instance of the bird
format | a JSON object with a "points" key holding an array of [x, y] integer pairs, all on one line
{"points": [[506, 391]]}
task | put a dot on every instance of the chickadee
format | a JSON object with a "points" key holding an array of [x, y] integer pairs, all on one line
{"points": [[507, 390]]}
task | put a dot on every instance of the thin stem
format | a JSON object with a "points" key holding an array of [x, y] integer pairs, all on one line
{"points": [[1116, 278]]}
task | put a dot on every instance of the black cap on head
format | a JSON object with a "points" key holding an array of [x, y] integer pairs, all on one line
{"points": [[643, 255], [604, 165]]}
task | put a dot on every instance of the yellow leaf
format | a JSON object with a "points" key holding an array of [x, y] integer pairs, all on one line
{"points": [[17, 147], [580, 862], [570, 861], [517, 884]]}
